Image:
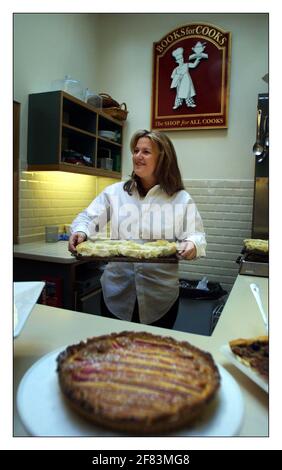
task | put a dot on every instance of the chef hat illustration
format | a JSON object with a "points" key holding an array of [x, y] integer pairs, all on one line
{"points": [[178, 53]]}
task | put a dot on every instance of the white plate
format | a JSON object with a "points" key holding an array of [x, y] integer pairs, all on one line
{"points": [[44, 412], [25, 297], [108, 134], [255, 377]]}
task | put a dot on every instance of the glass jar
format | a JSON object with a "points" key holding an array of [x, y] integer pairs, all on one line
{"points": [[69, 85], [51, 233]]}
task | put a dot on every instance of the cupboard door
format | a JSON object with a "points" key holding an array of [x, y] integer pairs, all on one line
{"points": [[44, 128]]}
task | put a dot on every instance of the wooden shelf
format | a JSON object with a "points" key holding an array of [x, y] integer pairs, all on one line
{"points": [[71, 168], [109, 141], [61, 127], [80, 131]]}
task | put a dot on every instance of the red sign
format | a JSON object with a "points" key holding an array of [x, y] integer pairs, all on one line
{"points": [[191, 78]]}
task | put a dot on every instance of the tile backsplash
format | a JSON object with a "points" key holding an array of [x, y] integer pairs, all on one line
{"points": [[54, 198], [226, 209]]}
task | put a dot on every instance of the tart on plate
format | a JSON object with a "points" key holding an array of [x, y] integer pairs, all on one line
{"points": [[137, 382], [253, 352]]}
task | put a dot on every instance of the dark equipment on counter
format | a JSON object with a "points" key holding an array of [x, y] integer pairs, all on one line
{"points": [[253, 263]]}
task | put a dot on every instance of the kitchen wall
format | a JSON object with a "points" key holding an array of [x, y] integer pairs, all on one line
{"points": [[217, 165], [125, 70], [226, 208], [54, 198], [113, 53], [47, 47]]}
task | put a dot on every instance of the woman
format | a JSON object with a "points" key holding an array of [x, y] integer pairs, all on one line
{"points": [[144, 292]]}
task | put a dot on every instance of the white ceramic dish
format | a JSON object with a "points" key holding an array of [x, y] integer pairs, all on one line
{"points": [[255, 377], [108, 135], [25, 297], [43, 410]]}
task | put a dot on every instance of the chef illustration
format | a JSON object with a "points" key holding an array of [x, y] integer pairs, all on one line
{"points": [[181, 79]]}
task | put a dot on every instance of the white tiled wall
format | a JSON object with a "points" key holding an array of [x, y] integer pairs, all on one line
{"points": [[53, 198], [226, 210]]}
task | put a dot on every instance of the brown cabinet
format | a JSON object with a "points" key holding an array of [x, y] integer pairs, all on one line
{"points": [[66, 134], [71, 285]]}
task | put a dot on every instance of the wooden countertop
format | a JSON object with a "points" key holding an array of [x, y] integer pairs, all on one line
{"points": [[49, 328]]}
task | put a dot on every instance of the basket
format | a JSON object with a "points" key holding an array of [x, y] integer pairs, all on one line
{"points": [[118, 112], [108, 101]]}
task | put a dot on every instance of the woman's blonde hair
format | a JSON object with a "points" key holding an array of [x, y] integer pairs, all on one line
{"points": [[167, 171]]}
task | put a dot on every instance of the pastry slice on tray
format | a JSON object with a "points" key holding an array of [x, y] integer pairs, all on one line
{"points": [[253, 353]]}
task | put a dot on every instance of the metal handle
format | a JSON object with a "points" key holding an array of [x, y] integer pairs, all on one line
{"points": [[256, 293], [262, 157], [266, 133], [258, 125]]}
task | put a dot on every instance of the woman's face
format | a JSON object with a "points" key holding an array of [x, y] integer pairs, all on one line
{"points": [[145, 157]]}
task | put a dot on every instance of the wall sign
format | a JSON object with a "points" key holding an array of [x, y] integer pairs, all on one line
{"points": [[191, 78]]}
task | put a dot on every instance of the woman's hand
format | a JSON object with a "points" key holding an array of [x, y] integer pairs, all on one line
{"points": [[187, 250], [75, 239]]}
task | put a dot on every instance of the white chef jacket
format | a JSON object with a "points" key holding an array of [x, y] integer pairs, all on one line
{"points": [[181, 79], [155, 216]]}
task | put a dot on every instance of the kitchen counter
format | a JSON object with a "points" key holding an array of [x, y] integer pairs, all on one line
{"points": [[52, 262], [42, 251], [49, 328]]}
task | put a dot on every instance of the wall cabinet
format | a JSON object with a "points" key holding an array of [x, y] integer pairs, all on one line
{"points": [[66, 134]]}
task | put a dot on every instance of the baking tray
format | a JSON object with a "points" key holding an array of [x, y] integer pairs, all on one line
{"points": [[128, 259]]}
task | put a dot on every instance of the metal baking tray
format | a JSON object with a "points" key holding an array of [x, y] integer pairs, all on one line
{"points": [[128, 259]]}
